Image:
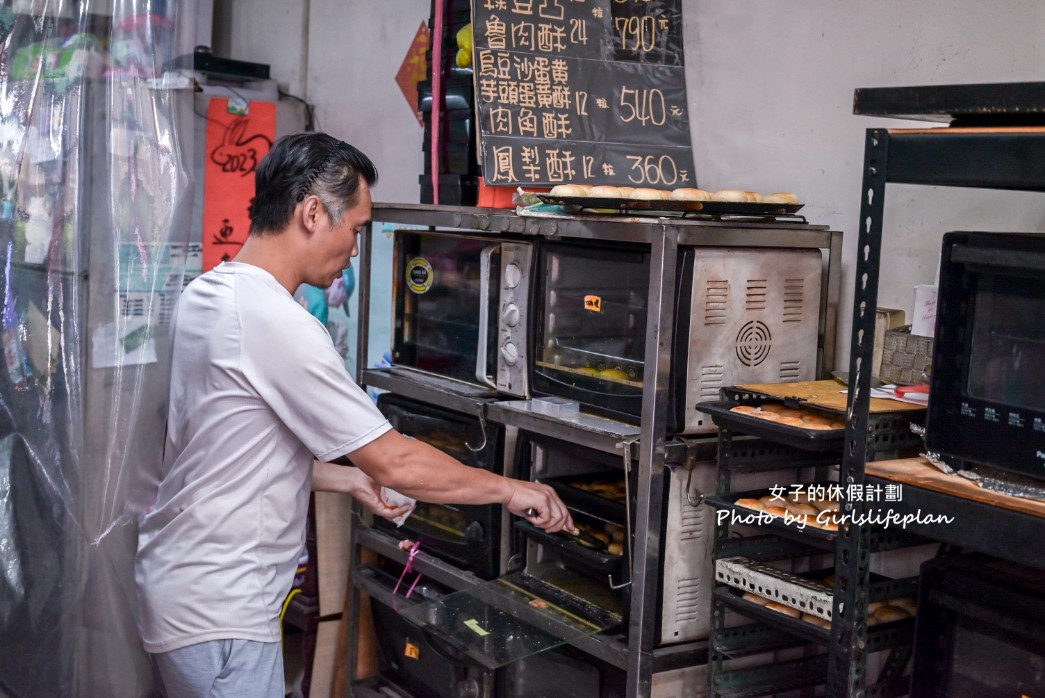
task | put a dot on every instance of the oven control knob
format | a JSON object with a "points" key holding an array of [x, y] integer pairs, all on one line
{"points": [[510, 315], [512, 275], [510, 353]]}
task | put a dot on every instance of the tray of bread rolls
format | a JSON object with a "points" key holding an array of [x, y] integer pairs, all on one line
{"points": [[882, 616], [681, 200], [800, 426], [812, 593], [804, 511]]}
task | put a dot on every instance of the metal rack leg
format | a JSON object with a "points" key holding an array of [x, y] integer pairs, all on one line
{"points": [[847, 668]]}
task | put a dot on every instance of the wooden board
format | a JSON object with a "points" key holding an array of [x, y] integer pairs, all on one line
{"points": [[918, 473], [827, 394], [333, 537]]}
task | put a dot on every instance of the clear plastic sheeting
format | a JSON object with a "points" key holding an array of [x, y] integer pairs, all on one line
{"points": [[95, 214]]}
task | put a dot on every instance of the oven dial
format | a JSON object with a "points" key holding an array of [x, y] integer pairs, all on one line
{"points": [[512, 275], [510, 353], [510, 315]]}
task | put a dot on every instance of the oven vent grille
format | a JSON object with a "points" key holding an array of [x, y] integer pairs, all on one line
{"points": [[693, 523], [711, 379], [790, 371], [753, 343], [757, 294], [716, 302], [688, 606], [793, 299]]}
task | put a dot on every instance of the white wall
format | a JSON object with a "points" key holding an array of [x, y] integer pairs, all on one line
{"points": [[770, 89]]}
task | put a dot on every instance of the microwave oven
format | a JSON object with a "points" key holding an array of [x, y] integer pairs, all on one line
{"points": [[460, 305], [469, 536], [987, 384], [742, 315]]}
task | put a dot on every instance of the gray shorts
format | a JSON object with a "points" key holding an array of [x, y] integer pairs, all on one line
{"points": [[222, 669]]}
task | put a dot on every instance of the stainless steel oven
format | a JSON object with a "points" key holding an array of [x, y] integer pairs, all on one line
{"points": [[470, 536], [414, 662], [742, 315], [461, 307], [601, 498]]}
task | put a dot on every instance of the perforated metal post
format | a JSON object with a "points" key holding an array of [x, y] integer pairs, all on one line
{"points": [[847, 668]]}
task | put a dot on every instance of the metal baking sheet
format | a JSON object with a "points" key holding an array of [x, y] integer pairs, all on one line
{"points": [[808, 439], [671, 205]]}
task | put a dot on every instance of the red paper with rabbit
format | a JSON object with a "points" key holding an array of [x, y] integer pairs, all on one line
{"points": [[235, 145]]}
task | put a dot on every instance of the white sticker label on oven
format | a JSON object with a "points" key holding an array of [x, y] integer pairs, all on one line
{"points": [[419, 275]]}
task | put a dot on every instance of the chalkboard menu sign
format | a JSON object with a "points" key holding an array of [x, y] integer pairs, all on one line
{"points": [[582, 91]]}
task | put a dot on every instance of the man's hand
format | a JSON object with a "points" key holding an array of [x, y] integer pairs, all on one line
{"points": [[539, 505], [329, 477]]}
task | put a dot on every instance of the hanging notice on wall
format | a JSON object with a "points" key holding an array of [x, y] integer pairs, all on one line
{"points": [[237, 140], [582, 91]]}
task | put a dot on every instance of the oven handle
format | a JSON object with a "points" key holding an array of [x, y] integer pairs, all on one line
{"points": [[484, 316]]}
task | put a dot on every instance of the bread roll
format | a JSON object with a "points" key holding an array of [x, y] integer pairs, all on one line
{"points": [[780, 197], [765, 414], [753, 197], [648, 194], [814, 425], [755, 598], [776, 511], [744, 409], [626, 191], [786, 610], [887, 614], [749, 503], [732, 196], [791, 421], [771, 501], [772, 407], [906, 603], [605, 192], [689, 194], [567, 190], [801, 509], [586, 188]]}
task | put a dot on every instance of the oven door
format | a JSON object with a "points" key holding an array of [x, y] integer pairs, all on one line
{"points": [[590, 325], [460, 308], [468, 536]]}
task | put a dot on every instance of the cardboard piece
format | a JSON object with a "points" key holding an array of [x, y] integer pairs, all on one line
{"points": [[826, 394]]}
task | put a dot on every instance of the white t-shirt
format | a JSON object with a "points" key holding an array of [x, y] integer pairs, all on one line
{"points": [[257, 390]]}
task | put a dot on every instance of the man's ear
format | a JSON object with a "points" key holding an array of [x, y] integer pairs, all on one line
{"points": [[309, 210]]}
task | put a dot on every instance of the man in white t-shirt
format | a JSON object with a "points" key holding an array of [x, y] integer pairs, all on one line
{"points": [[261, 411]]}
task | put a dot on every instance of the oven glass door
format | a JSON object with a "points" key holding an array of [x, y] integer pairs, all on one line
{"points": [[591, 325], [465, 534], [439, 302]]}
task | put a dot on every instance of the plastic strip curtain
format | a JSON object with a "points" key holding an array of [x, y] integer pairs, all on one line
{"points": [[95, 213]]}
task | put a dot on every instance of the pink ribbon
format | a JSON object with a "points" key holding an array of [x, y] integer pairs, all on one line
{"points": [[414, 550]]}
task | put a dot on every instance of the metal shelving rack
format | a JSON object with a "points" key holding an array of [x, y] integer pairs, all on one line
{"points": [[984, 157], [635, 651]]}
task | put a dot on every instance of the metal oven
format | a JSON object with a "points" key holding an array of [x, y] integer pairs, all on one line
{"points": [[987, 404], [416, 663], [742, 315], [461, 306], [470, 536], [600, 494]]}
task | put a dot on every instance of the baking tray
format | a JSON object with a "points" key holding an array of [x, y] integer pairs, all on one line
{"points": [[814, 536], [807, 439], [802, 592], [586, 501], [671, 205], [575, 552], [733, 598]]}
